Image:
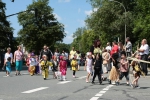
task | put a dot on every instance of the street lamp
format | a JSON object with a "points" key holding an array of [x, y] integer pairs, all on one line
{"points": [[125, 16]]}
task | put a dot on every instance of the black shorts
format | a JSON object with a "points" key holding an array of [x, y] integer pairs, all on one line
{"points": [[126, 74]]}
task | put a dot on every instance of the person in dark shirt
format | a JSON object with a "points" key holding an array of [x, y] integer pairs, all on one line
{"points": [[97, 68], [46, 52]]}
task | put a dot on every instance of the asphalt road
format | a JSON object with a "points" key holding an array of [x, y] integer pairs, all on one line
{"points": [[26, 87]]}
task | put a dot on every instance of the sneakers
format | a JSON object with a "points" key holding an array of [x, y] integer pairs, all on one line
{"points": [[74, 76], [117, 83], [132, 85], [137, 87]]}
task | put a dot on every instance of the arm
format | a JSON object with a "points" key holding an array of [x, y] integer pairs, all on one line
{"points": [[11, 58], [142, 50], [85, 64], [14, 56], [5, 60], [128, 45]]}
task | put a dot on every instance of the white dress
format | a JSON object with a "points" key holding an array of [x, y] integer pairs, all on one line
{"points": [[89, 65]]}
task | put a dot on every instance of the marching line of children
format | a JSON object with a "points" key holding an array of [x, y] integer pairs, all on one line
{"points": [[60, 68], [117, 72]]}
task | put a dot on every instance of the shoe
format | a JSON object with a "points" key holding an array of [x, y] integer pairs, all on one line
{"points": [[132, 85], [137, 87], [109, 81], [44, 78], [117, 83], [127, 84], [74, 76], [100, 82], [19, 74], [16, 74], [93, 82]]}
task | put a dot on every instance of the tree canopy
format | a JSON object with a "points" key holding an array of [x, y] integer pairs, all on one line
{"points": [[6, 32], [39, 26], [108, 21]]}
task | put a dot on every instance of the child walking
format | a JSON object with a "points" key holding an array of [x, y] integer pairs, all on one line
{"points": [[55, 66], [27, 62], [88, 66], [8, 66], [124, 68], [136, 72], [114, 73], [32, 63], [37, 68], [63, 68], [97, 68], [45, 66], [74, 65]]}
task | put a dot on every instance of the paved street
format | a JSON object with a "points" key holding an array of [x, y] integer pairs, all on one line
{"points": [[26, 87]]}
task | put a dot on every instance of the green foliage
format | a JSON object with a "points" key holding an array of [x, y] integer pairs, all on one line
{"points": [[40, 29], [142, 20], [62, 47], [6, 34]]}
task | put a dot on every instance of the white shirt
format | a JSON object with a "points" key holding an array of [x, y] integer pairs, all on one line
{"points": [[7, 55], [108, 48], [32, 62], [144, 47]]}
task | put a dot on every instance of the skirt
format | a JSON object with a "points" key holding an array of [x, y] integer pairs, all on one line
{"points": [[8, 69], [104, 67], [89, 70], [114, 74]]}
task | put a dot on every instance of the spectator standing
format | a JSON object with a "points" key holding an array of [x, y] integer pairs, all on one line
{"points": [[144, 51]]}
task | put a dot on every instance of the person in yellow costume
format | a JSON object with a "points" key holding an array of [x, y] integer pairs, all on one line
{"points": [[74, 65], [45, 66]]}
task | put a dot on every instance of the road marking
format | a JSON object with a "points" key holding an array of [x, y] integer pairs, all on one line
{"points": [[35, 90], [63, 82], [102, 91], [96, 97], [82, 77], [105, 89]]}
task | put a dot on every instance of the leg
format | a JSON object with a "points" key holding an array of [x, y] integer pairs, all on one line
{"points": [[74, 73], [95, 73], [99, 76], [127, 77], [17, 67]]}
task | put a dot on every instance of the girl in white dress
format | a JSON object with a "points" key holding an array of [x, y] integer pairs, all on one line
{"points": [[88, 66]]}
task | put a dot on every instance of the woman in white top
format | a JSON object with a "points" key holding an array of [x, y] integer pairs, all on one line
{"points": [[7, 55], [57, 54]]}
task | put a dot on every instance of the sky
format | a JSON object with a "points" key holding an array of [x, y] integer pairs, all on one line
{"points": [[71, 13]]}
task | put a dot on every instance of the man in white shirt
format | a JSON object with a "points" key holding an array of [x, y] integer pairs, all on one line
{"points": [[108, 48], [144, 51], [128, 47]]}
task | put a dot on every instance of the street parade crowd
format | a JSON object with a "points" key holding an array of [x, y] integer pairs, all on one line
{"points": [[115, 60]]}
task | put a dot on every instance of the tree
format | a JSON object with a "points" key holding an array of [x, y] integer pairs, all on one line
{"points": [[6, 32], [40, 28], [77, 35], [142, 20], [109, 20]]}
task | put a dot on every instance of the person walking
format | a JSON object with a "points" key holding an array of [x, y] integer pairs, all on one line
{"points": [[46, 51], [7, 55], [45, 63], [18, 59], [97, 68]]}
